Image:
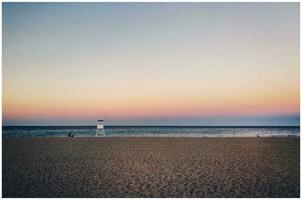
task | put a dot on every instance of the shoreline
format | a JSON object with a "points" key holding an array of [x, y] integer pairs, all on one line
{"points": [[153, 136]]}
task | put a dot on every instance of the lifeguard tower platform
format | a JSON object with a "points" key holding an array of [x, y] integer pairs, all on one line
{"points": [[100, 129]]}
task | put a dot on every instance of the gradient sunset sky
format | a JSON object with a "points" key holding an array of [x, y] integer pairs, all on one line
{"points": [[151, 63]]}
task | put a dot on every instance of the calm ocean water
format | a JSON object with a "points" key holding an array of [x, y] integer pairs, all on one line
{"points": [[150, 131]]}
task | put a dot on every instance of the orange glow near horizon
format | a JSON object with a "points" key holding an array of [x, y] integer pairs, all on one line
{"points": [[169, 106]]}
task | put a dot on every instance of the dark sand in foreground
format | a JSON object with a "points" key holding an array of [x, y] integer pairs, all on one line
{"points": [[151, 167]]}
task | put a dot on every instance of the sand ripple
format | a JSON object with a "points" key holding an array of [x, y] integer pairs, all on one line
{"points": [[151, 167]]}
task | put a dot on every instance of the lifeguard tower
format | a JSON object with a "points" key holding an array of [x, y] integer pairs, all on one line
{"points": [[100, 130]]}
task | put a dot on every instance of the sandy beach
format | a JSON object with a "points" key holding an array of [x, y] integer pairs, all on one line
{"points": [[151, 167]]}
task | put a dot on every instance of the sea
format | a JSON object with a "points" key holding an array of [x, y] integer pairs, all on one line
{"points": [[152, 131]]}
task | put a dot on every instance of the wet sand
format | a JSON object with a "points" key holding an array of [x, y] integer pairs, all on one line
{"points": [[151, 167]]}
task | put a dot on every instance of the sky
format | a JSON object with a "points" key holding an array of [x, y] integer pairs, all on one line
{"points": [[151, 63]]}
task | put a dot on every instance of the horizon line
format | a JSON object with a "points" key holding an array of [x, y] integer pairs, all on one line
{"points": [[152, 126]]}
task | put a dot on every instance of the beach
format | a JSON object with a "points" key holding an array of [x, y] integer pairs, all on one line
{"points": [[150, 167]]}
